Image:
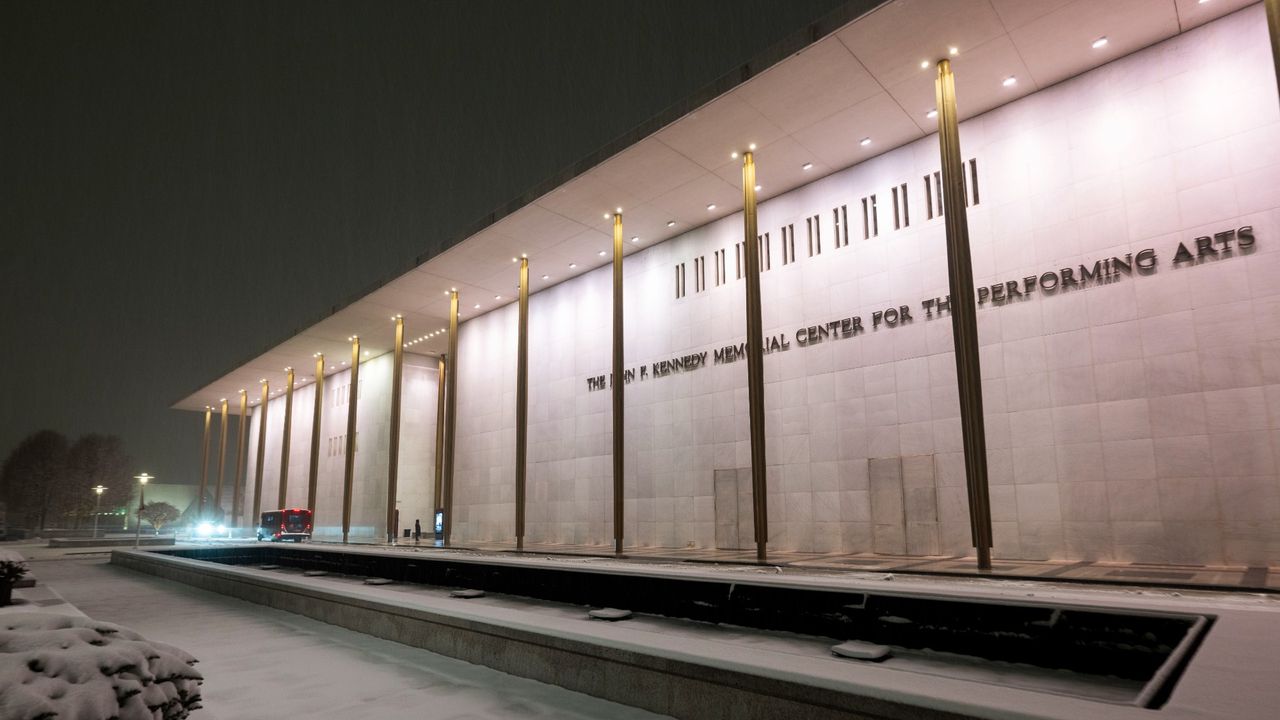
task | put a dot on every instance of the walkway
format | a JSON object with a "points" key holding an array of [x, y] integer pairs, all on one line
{"points": [[264, 663]]}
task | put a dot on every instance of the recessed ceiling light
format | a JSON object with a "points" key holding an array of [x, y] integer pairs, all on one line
{"points": [[635, 238], [733, 155], [1100, 42], [931, 114], [671, 223], [807, 166], [954, 50], [607, 216], [477, 308], [864, 141], [1010, 81], [924, 64], [1203, 1], [546, 277], [602, 253], [712, 206], [497, 297], [758, 188], [573, 265]]}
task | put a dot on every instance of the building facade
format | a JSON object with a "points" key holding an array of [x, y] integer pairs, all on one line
{"points": [[1125, 226]]}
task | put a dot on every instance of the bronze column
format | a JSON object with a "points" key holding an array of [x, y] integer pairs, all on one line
{"points": [[522, 399], [1273, 25], [262, 455], [313, 472], [450, 416], [237, 489], [204, 461], [964, 321], [284, 446], [755, 359], [617, 382], [393, 447], [349, 468], [222, 459], [440, 372]]}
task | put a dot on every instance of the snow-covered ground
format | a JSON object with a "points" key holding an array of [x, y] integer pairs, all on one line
{"points": [[264, 663]]}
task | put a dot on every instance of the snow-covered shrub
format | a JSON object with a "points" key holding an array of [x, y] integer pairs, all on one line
{"points": [[63, 667]]}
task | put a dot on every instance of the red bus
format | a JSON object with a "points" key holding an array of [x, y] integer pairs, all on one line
{"points": [[292, 524]]}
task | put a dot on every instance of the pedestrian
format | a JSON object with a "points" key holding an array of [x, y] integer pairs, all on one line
{"points": [[417, 530]]}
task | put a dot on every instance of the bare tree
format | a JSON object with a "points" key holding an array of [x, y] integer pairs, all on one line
{"points": [[97, 459], [33, 477], [159, 514]]}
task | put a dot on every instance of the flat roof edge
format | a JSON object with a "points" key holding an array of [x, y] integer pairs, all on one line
{"points": [[789, 45]]}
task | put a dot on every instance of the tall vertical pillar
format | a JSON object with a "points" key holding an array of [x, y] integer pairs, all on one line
{"points": [[349, 467], [437, 498], [964, 321], [755, 359], [284, 443], [242, 433], [450, 417], [313, 471], [262, 455], [522, 400], [1273, 25], [617, 384], [393, 448], [204, 461], [222, 458]]}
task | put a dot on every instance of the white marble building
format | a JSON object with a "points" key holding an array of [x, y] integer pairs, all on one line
{"points": [[1135, 419]]}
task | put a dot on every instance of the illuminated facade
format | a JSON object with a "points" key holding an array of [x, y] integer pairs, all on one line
{"points": [[1124, 225]]}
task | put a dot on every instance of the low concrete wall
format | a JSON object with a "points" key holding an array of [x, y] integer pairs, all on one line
{"points": [[110, 542], [621, 672]]}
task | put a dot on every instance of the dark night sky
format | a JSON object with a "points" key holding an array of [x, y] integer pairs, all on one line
{"points": [[183, 184]]}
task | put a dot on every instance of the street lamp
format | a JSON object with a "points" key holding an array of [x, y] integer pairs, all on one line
{"points": [[142, 502], [97, 501]]}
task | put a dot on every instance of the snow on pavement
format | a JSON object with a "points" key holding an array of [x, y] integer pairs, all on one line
{"points": [[261, 663]]}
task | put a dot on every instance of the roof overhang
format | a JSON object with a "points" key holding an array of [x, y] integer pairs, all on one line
{"points": [[808, 107]]}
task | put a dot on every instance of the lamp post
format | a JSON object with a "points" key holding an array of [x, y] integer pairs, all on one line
{"points": [[97, 502], [142, 501]]}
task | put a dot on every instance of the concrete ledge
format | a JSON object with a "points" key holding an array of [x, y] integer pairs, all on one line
{"points": [[110, 542], [43, 599], [677, 682]]}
